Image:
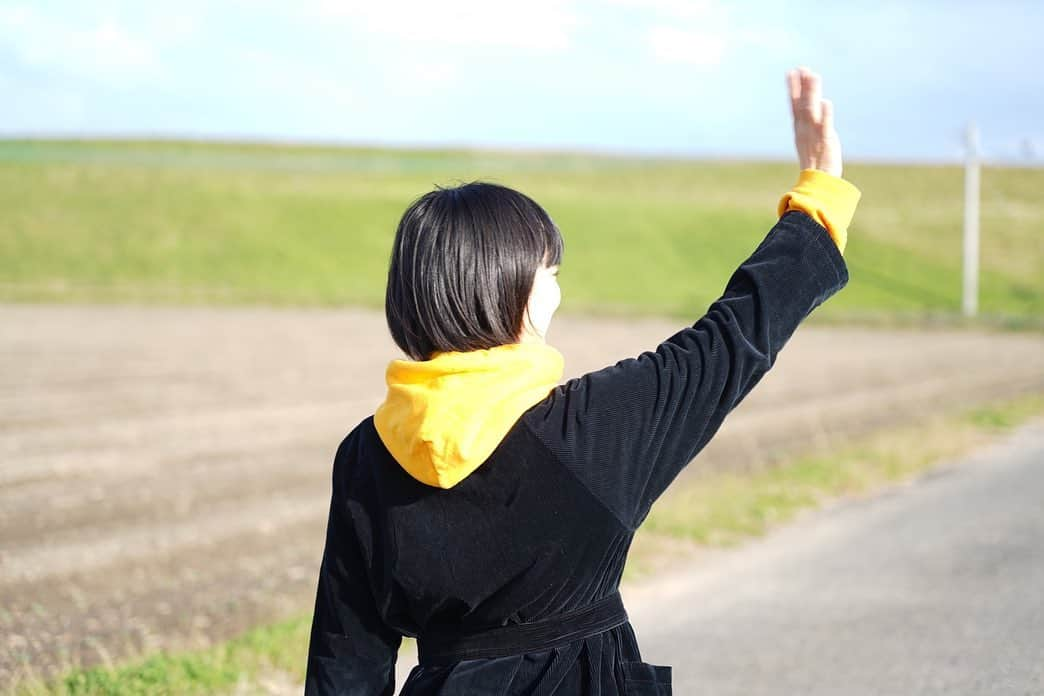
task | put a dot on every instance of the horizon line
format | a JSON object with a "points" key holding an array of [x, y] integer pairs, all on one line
{"points": [[515, 149]]}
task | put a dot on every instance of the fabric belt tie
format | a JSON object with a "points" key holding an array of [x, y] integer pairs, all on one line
{"points": [[443, 646]]}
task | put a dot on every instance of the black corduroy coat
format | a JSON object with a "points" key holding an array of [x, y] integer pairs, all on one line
{"points": [[542, 527]]}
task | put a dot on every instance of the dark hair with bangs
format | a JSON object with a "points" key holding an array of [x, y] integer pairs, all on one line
{"points": [[462, 268]]}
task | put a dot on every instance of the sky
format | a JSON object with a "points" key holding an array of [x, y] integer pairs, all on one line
{"points": [[702, 78]]}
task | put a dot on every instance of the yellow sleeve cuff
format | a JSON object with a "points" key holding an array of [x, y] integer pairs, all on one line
{"points": [[828, 199]]}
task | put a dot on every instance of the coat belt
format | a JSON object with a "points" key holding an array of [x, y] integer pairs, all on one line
{"points": [[444, 646]]}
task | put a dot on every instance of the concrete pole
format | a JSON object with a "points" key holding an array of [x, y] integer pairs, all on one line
{"points": [[970, 295]]}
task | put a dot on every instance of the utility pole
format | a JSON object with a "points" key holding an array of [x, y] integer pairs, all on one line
{"points": [[970, 295]]}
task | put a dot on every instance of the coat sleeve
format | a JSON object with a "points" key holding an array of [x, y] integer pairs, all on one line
{"points": [[351, 652], [626, 431]]}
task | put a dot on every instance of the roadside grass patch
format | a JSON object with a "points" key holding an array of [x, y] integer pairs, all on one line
{"points": [[223, 668]]}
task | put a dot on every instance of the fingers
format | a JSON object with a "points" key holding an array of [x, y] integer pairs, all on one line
{"points": [[828, 115], [818, 146], [794, 86], [811, 92], [805, 89]]}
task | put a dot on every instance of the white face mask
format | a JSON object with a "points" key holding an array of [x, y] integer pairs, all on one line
{"points": [[543, 301]]}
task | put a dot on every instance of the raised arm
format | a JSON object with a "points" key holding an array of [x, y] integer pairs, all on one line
{"points": [[627, 430]]}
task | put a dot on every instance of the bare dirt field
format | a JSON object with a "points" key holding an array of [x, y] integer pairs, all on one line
{"points": [[165, 471]]}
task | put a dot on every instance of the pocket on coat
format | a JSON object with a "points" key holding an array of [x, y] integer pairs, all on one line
{"points": [[644, 679]]}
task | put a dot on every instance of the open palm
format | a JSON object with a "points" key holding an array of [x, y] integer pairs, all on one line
{"points": [[818, 145]]}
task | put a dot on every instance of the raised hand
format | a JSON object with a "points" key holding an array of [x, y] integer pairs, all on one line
{"points": [[818, 145]]}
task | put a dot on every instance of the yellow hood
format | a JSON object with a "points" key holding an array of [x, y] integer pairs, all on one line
{"points": [[443, 417]]}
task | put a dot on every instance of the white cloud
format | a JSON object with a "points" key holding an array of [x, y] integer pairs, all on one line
{"points": [[101, 48], [675, 9], [282, 76], [40, 40], [539, 26], [671, 45], [699, 32]]}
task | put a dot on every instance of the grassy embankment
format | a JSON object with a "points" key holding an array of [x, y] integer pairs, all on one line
{"points": [[718, 510], [176, 222]]}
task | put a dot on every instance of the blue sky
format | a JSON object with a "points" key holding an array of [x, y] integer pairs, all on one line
{"points": [[701, 77]]}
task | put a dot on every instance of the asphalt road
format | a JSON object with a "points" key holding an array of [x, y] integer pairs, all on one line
{"points": [[932, 588]]}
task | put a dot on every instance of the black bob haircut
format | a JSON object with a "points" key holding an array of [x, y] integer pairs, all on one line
{"points": [[462, 268]]}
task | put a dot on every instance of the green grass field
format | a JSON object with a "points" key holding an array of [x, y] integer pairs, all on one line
{"points": [[217, 223]]}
